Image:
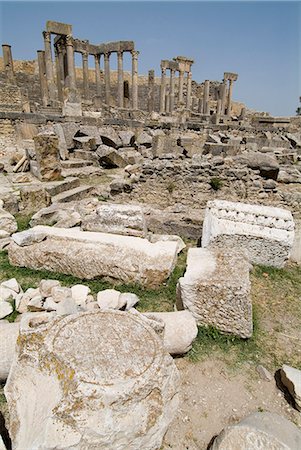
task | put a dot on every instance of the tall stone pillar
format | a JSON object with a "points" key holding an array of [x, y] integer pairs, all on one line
{"points": [[206, 97], [223, 96], [229, 98], [61, 59], [42, 76], [218, 107], [85, 56], [162, 90], [71, 63], [97, 74], [8, 63], [49, 65], [151, 91], [201, 105], [135, 54], [58, 75], [172, 91], [120, 79], [188, 100], [181, 85], [167, 101], [107, 78]]}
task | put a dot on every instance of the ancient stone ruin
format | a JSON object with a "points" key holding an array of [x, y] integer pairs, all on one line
{"points": [[136, 212]]}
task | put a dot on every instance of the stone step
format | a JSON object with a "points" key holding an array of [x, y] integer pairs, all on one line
{"points": [[57, 187], [73, 194], [84, 155], [50, 110], [75, 163], [82, 172]]}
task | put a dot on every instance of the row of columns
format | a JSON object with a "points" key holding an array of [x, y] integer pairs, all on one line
{"points": [[171, 96], [65, 70]]}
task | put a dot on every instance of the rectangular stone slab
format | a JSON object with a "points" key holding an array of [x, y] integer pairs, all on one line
{"points": [[267, 233], [88, 255], [216, 290]]}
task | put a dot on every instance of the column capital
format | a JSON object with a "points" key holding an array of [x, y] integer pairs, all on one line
{"points": [[189, 74], [172, 72], [163, 70], [69, 40], [107, 55], [97, 57], [85, 56], [120, 53], [47, 36], [135, 53]]}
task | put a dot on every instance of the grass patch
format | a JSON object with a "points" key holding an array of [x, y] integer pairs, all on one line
{"points": [[216, 183], [23, 221]]}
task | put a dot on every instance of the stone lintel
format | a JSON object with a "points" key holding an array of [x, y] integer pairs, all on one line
{"points": [[230, 76], [171, 65], [81, 46], [58, 27]]}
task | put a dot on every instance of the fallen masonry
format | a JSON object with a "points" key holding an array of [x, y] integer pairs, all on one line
{"points": [[216, 290], [266, 233], [262, 431], [95, 379], [88, 255]]}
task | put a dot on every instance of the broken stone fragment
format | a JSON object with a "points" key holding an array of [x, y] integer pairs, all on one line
{"points": [[65, 307], [291, 379], [80, 293], [8, 337], [5, 309], [7, 222], [110, 299], [11, 284], [259, 431], [180, 330], [28, 237], [46, 286]]}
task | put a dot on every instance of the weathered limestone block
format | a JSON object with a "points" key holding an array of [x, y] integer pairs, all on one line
{"points": [[118, 219], [109, 157], [110, 137], [267, 233], [163, 144], [8, 338], [88, 255], [95, 380], [267, 165], [180, 330], [296, 250], [291, 378], [47, 157], [260, 431], [33, 198], [7, 222], [216, 290]]}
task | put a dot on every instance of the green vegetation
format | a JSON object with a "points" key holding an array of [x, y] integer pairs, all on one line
{"points": [[171, 187], [216, 183], [22, 221]]}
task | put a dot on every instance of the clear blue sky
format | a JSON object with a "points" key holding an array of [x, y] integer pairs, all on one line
{"points": [[261, 41]]}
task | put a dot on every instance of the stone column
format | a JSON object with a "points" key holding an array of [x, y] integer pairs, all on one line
{"points": [[120, 79], [42, 76], [167, 102], [181, 85], [97, 74], [107, 78], [8, 63], [85, 56], [206, 97], [172, 91], [218, 107], [229, 98], [151, 91], [188, 100], [49, 65], [223, 96], [162, 90], [58, 75], [60, 50], [201, 106], [135, 54], [70, 62]]}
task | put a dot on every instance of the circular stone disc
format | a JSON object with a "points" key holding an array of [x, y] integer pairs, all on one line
{"points": [[106, 347]]}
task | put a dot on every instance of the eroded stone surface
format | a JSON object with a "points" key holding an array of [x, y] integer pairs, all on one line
{"points": [[96, 380], [260, 431], [216, 290], [8, 337], [267, 233], [87, 255]]}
